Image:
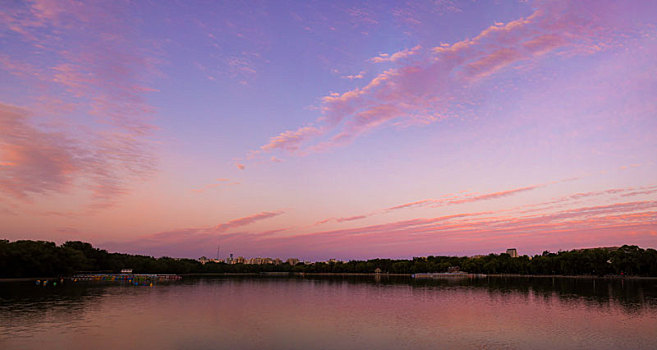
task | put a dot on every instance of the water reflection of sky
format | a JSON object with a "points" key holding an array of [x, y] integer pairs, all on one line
{"points": [[344, 313]]}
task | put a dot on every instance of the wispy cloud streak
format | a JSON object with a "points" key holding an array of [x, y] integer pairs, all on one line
{"points": [[454, 199], [423, 236], [247, 220], [435, 83]]}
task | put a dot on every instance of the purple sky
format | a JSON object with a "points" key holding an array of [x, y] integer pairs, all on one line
{"points": [[329, 129]]}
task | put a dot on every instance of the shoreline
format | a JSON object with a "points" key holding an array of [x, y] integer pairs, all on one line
{"points": [[359, 274], [500, 275]]}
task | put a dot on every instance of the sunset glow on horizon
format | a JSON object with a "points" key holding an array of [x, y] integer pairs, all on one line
{"points": [[337, 129]]}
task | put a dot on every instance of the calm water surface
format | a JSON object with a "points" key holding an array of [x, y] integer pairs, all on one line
{"points": [[333, 313]]}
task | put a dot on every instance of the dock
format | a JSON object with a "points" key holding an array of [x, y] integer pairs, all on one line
{"points": [[130, 278]]}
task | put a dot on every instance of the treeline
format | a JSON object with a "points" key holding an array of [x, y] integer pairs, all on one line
{"points": [[38, 258], [46, 259]]}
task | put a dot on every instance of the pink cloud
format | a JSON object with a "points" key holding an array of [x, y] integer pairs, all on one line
{"points": [[413, 204], [611, 194], [361, 123], [397, 56], [450, 199], [544, 43], [344, 219], [360, 75], [446, 200], [479, 231], [641, 191], [247, 220], [453, 199], [494, 195], [34, 162], [188, 240], [466, 229], [492, 62], [102, 147], [20, 68], [321, 222], [291, 140], [439, 81], [38, 162]]}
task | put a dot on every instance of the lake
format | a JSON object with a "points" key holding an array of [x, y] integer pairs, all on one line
{"points": [[332, 313]]}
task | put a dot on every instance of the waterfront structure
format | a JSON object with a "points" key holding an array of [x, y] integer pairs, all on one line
{"points": [[260, 261], [513, 252], [242, 260]]}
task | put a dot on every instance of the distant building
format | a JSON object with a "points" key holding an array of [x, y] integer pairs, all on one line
{"points": [[377, 271], [259, 261], [513, 252], [125, 270], [292, 261]]}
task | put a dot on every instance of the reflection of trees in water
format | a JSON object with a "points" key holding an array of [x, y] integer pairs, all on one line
{"points": [[25, 305], [633, 295]]}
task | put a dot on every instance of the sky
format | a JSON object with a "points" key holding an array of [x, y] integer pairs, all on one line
{"points": [[329, 129]]}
